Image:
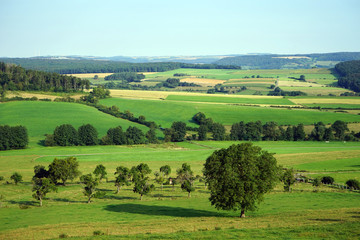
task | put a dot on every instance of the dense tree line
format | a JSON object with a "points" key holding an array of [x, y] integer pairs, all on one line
{"points": [[175, 82], [126, 76], [272, 131], [279, 92], [13, 137], [87, 135], [70, 66], [13, 77], [349, 75]]}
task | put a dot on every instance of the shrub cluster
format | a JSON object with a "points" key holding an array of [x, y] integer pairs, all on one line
{"points": [[13, 137]]}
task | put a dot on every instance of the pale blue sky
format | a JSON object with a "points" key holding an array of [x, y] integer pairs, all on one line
{"points": [[173, 27]]}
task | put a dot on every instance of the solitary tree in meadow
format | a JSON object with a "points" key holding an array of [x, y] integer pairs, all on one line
{"points": [[186, 177], [16, 177], [42, 186], [239, 176]]}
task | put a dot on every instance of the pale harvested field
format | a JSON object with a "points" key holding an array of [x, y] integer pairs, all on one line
{"points": [[325, 100], [137, 94], [90, 75], [39, 96], [203, 81], [298, 84]]}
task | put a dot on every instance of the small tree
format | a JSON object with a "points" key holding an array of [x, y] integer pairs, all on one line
{"points": [[151, 136], [288, 179], [187, 186], [42, 186], [353, 183], [316, 183], [90, 185], [202, 131], [16, 177], [141, 184], [239, 176], [100, 172], [186, 178], [122, 178]]}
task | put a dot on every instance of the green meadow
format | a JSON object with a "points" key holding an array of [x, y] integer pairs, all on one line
{"points": [[167, 111], [41, 118], [168, 213]]}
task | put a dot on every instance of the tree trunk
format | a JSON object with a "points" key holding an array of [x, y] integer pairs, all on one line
{"points": [[141, 197], [89, 200], [118, 189], [161, 186], [242, 215], [40, 201], [189, 194]]}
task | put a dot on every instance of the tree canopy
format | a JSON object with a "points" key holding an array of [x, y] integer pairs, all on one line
{"points": [[239, 176]]}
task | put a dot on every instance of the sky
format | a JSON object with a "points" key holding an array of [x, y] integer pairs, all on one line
{"points": [[177, 28]]}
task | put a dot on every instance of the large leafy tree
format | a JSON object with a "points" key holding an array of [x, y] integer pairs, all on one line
{"points": [[88, 135], [239, 176], [179, 131], [16, 177], [65, 135], [42, 186], [64, 169], [340, 127], [161, 176]]}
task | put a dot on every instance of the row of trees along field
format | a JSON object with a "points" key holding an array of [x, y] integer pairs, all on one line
{"points": [[349, 75], [69, 66], [13, 77], [87, 135], [270, 131], [13, 137]]}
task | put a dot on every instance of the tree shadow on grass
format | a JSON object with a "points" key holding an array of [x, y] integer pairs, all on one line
{"points": [[118, 197], [161, 210], [27, 203], [66, 200]]}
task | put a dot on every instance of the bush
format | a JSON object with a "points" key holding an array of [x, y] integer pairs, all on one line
{"points": [[63, 235], [353, 183], [327, 180], [98, 233]]}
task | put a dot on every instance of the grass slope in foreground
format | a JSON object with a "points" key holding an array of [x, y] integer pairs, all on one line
{"points": [[169, 213], [42, 117]]}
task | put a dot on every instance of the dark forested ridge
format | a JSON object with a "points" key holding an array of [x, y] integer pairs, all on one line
{"points": [[72, 66], [274, 61], [349, 75], [13, 77]]}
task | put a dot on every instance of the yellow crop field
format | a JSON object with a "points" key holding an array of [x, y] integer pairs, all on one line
{"points": [[203, 81], [137, 94]]}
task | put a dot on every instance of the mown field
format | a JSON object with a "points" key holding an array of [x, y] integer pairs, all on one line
{"points": [[168, 111], [168, 213]]}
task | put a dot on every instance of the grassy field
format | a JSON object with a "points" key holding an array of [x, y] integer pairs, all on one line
{"points": [[41, 118], [166, 112], [168, 213]]}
